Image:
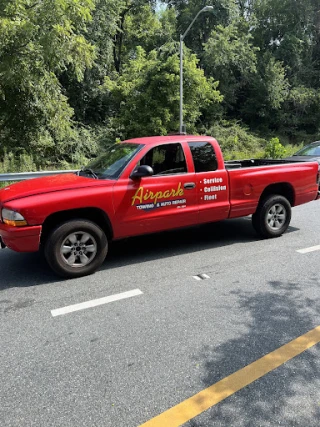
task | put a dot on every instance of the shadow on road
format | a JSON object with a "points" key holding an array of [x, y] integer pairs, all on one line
{"points": [[18, 270], [287, 396], [179, 242]]}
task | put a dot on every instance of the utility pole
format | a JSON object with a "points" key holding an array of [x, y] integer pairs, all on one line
{"points": [[182, 127]]}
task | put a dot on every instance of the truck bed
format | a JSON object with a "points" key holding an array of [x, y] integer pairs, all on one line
{"points": [[249, 163]]}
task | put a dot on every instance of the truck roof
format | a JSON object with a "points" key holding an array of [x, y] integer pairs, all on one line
{"points": [[169, 138]]}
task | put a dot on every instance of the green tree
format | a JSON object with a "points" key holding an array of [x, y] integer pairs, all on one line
{"points": [[301, 112], [131, 8], [89, 103], [267, 92], [231, 59], [223, 13], [38, 41], [289, 32], [72, 74], [147, 94], [116, 29]]}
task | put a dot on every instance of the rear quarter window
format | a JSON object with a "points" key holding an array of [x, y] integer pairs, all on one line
{"points": [[204, 156]]}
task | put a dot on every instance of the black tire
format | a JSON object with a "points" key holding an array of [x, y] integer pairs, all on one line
{"points": [[272, 217], [76, 248]]}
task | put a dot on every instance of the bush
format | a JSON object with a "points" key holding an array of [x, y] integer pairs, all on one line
{"points": [[70, 154], [274, 149], [21, 163], [236, 141], [9, 164]]}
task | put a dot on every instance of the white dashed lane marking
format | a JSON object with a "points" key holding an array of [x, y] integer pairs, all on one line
{"points": [[307, 250], [201, 277], [95, 302]]}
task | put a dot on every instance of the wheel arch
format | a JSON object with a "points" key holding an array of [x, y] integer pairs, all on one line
{"points": [[284, 189], [93, 214]]}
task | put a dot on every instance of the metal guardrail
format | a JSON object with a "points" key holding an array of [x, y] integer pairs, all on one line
{"points": [[21, 176]]}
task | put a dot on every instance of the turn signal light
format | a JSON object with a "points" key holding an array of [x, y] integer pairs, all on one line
{"points": [[12, 218], [15, 223]]}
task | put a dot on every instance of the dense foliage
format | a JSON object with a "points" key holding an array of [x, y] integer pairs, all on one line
{"points": [[78, 74]]}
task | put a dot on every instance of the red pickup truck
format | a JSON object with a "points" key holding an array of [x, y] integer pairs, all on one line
{"points": [[148, 185]]}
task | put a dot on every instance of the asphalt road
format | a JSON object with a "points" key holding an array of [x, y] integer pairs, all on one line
{"points": [[122, 363]]}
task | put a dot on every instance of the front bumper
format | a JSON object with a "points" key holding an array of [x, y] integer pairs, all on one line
{"points": [[21, 239]]}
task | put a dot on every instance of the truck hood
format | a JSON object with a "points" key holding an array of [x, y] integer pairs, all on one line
{"points": [[49, 184]]}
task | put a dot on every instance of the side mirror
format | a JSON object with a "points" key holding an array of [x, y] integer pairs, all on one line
{"points": [[142, 171]]}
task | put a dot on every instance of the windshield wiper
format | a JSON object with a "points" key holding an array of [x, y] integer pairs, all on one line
{"points": [[88, 171]]}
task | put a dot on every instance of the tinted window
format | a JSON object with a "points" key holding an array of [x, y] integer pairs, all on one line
{"points": [[166, 159], [204, 157]]}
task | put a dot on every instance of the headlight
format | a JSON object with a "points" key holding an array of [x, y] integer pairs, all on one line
{"points": [[13, 218]]}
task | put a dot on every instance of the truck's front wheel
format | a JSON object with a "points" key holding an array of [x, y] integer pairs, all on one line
{"points": [[272, 217], [76, 248]]}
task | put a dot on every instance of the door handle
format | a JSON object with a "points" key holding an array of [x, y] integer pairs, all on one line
{"points": [[189, 185]]}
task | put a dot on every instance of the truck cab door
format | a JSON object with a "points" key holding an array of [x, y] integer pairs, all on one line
{"points": [[165, 200], [212, 183]]}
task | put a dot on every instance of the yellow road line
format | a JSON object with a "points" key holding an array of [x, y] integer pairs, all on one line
{"points": [[205, 399]]}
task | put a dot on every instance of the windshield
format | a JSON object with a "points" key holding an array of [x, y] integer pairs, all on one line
{"points": [[309, 150], [112, 162]]}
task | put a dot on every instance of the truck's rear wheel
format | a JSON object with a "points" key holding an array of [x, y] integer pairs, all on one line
{"points": [[272, 217], [76, 248]]}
